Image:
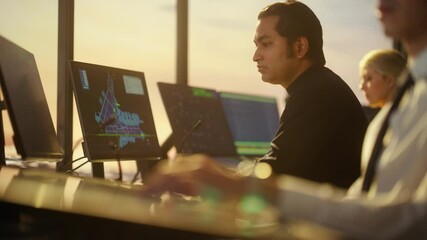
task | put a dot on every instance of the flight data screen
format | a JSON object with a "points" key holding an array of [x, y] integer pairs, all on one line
{"points": [[115, 112], [197, 120]]}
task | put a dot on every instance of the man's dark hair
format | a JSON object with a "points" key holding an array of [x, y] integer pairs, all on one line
{"points": [[298, 20]]}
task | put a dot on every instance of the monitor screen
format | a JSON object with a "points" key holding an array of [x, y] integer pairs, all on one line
{"points": [[197, 120], [34, 131], [253, 121], [115, 113]]}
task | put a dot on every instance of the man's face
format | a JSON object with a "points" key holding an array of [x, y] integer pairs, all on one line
{"points": [[272, 55], [403, 19]]}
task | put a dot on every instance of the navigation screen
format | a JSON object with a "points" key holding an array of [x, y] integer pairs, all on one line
{"points": [[253, 121], [197, 120], [115, 112]]}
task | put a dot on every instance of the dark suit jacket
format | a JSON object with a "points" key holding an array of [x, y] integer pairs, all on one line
{"points": [[321, 130]]}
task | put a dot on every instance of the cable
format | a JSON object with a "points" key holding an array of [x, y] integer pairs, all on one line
{"points": [[74, 169], [120, 169], [73, 161], [116, 148], [135, 177], [62, 168], [184, 139]]}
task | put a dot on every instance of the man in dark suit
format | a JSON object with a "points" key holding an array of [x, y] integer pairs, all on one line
{"points": [[322, 127]]}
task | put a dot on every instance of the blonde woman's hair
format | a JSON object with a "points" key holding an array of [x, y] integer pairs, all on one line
{"points": [[387, 62]]}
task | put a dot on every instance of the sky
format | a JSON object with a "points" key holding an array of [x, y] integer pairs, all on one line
{"points": [[141, 35]]}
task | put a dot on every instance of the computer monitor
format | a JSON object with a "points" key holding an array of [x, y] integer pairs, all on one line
{"points": [[253, 120], [34, 132], [115, 113], [197, 120]]}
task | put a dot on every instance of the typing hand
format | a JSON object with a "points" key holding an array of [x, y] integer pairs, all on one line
{"points": [[195, 175], [210, 187]]}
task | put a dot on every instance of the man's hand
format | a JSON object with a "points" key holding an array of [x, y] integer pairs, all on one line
{"points": [[195, 175]]}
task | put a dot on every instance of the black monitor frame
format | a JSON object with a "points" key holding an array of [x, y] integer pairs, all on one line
{"points": [[24, 98], [103, 138], [197, 120]]}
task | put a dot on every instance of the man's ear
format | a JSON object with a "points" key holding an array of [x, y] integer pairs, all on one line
{"points": [[301, 46]]}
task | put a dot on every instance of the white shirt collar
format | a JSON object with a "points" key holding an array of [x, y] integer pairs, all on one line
{"points": [[418, 65]]}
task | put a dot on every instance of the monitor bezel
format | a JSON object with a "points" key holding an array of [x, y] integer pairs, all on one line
{"points": [[21, 145], [181, 136], [104, 156]]}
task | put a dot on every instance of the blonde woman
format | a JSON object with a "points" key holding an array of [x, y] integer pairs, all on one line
{"points": [[379, 70]]}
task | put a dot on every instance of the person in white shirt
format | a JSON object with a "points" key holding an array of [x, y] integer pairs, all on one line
{"points": [[395, 206]]}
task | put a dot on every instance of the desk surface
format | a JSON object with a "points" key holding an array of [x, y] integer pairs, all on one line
{"points": [[104, 199]]}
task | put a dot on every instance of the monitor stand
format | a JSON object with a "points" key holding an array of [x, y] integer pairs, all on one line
{"points": [[2, 141], [144, 167], [98, 170]]}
